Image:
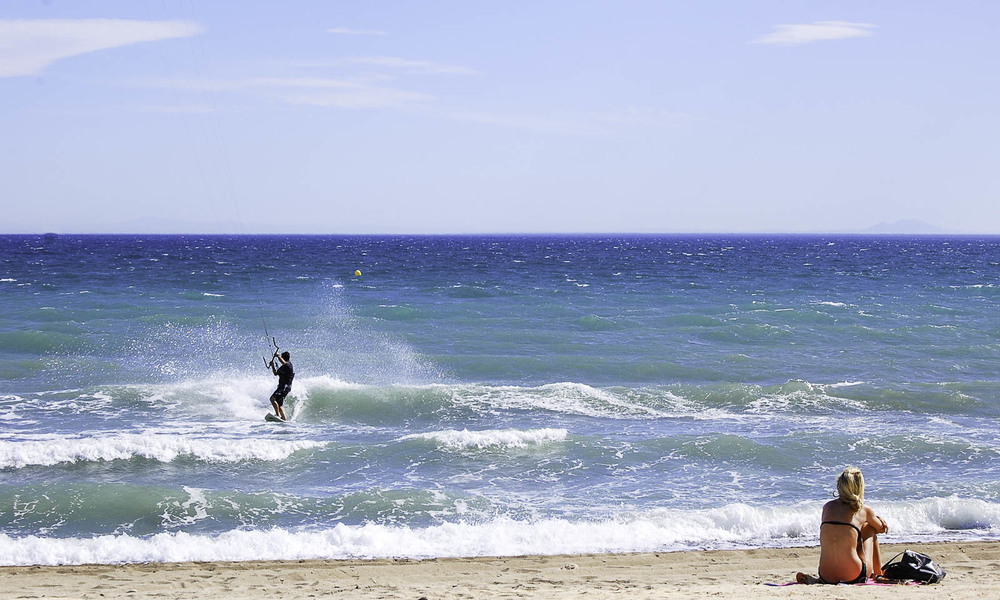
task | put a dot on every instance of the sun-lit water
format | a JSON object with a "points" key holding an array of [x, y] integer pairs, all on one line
{"points": [[489, 395]]}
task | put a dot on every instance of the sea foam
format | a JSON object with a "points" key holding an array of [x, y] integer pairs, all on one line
{"points": [[498, 438], [159, 447], [731, 526]]}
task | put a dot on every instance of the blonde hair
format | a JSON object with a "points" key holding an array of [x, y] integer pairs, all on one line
{"points": [[851, 488]]}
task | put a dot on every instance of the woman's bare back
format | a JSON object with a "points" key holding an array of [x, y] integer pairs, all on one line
{"points": [[841, 544]]}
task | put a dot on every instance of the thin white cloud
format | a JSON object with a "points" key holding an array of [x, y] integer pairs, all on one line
{"points": [[804, 33], [410, 66], [188, 109], [332, 93], [347, 31], [642, 116], [386, 62], [310, 91], [29, 46], [365, 97], [586, 123], [337, 93], [533, 123]]}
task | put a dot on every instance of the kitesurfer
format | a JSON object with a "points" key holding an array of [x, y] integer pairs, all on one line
{"points": [[285, 374]]}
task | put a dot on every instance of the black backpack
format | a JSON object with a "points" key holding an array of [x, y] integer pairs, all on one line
{"points": [[913, 565]]}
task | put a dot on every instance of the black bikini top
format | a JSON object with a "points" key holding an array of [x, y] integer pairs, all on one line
{"points": [[843, 523]]}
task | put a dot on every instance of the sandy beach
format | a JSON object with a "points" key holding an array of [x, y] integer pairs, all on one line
{"points": [[971, 568]]}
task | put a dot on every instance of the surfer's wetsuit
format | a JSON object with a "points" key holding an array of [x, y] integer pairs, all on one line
{"points": [[285, 376]]}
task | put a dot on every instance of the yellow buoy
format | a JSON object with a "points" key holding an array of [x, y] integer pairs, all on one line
{"points": [[357, 273]]}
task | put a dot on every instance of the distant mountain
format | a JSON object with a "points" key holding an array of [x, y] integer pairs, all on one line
{"points": [[907, 226]]}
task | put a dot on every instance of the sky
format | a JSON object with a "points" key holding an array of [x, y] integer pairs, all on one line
{"points": [[437, 117]]}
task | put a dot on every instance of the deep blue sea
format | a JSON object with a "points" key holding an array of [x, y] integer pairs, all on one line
{"points": [[485, 395]]}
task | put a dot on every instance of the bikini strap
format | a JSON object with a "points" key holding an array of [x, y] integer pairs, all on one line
{"points": [[856, 528]]}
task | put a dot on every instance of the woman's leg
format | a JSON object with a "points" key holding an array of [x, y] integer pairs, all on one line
{"points": [[876, 558], [872, 557]]}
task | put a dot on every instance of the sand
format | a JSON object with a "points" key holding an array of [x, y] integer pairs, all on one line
{"points": [[739, 574]]}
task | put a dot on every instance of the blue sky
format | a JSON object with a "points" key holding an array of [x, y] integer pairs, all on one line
{"points": [[478, 117]]}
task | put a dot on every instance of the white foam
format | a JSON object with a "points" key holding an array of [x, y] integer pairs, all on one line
{"points": [[154, 446], [845, 384], [495, 438], [242, 397], [327, 382], [800, 393], [565, 397], [195, 509], [942, 515], [731, 526], [572, 398], [683, 407], [500, 537]]}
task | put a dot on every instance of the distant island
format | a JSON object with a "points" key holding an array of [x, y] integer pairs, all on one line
{"points": [[906, 226]]}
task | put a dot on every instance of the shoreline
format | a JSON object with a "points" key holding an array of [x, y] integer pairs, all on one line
{"points": [[685, 574]]}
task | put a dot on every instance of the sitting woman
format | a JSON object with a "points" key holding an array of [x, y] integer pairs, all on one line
{"points": [[847, 537]]}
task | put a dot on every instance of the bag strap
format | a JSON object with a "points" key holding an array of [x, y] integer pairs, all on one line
{"points": [[891, 560]]}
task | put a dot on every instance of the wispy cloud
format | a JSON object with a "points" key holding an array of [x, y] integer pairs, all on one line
{"points": [[642, 116], [533, 123], [187, 109], [310, 91], [410, 66], [352, 92], [421, 67], [331, 93], [792, 35], [347, 31], [29, 46], [337, 93], [582, 123]]}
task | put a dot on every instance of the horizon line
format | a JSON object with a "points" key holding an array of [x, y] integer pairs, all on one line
{"points": [[506, 233]]}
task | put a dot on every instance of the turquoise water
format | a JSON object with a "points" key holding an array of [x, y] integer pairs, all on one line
{"points": [[489, 395]]}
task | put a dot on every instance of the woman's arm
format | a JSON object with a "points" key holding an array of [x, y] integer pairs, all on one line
{"points": [[877, 523]]}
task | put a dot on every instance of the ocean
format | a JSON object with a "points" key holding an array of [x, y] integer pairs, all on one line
{"points": [[489, 395]]}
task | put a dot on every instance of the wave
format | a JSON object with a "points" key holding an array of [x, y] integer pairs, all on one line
{"points": [[324, 399], [89, 509], [503, 438], [159, 447], [731, 526], [327, 399]]}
